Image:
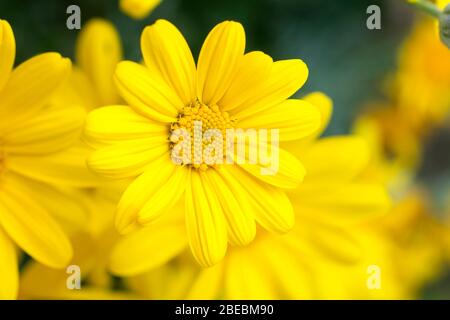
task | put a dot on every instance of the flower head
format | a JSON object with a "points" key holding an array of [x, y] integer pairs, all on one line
{"points": [[171, 101], [33, 134]]}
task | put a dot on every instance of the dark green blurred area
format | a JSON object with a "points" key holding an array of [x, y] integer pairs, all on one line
{"points": [[346, 60]]}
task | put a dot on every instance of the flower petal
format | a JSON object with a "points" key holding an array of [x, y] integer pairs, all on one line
{"points": [[166, 51], [98, 51], [112, 124], [127, 159], [66, 205], [146, 92], [295, 119], [205, 221], [9, 267], [325, 106], [51, 130], [148, 248], [208, 284], [278, 168], [286, 77], [138, 9], [337, 158], [332, 242], [32, 228], [254, 68], [218, 60], [65, 168], [246, 279], [270, 206], [138, 193], [240, 221], [7, 52], [163, 198], [341, 203], [31, 84]]}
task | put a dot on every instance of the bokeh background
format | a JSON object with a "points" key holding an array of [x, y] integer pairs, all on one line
{"points": [[346, 60]]}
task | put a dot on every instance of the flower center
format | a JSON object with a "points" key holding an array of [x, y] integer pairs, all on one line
{"points": [[201, 130]]}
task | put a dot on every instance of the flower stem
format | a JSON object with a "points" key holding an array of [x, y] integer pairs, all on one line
{"points": [[426, 7]]}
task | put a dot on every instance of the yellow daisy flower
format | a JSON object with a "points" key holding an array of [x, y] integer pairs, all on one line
{"points": [[98, 50], [331, 201], [227, 89], [33, 135], [138, 9]]}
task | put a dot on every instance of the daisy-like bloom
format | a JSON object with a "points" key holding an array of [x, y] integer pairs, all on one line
{"points": [[34, 137], [418, 103], [228, 89], [138, 9], [408, 247], [331, 201], [98, 50]]}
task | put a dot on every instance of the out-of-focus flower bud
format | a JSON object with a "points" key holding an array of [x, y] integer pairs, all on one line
{"points": [[138, 9]]}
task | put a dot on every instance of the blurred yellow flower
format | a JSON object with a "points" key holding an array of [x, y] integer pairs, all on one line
{"points": [[98, 50], [34, 135], [138, 9], [169, 93]]}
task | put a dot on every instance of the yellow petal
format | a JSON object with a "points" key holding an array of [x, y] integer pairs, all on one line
{"points": [[341, 203], [112, 124], [138, 9], [62, 203], [147, 248], [147, 93], [333, 242], [218, 60], [78, 90], [295, 119], [270, 206], [7, 52], [31, 84], [9, 268], [325, 106], [246, 278], [281, 170], [254, 68], [338, 158], [240, 221], [287, 267], [50, 130], [135, 197], [286, 78], [98, 50], [166, 51], [65, 168], [165, 196], [127, 159], [205, 222], [208, 284], [32, 228]]}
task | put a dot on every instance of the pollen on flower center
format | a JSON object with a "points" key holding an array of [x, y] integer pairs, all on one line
{"points": [[195, 123]]}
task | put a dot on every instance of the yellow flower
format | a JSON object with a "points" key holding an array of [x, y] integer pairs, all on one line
{"points": [[331, 201], [425, 78], [408, 247], [442, 3], [138, 9], [98, 50], [227, 89], [34, 134]]}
